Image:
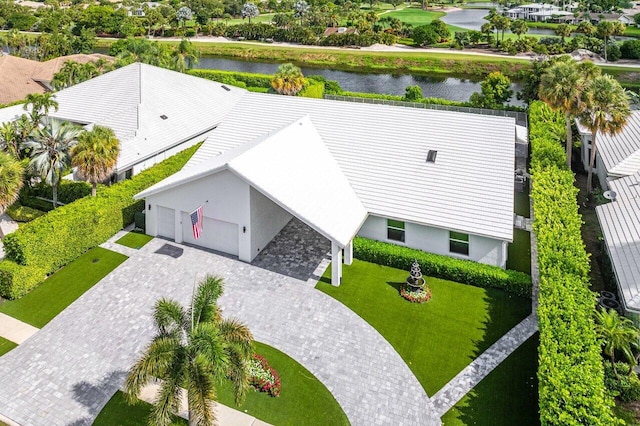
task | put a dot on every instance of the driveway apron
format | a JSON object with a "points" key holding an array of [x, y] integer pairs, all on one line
{"points": [[67, 372]]}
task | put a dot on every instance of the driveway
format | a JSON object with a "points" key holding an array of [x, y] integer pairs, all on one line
{"points": [[67, 372]]}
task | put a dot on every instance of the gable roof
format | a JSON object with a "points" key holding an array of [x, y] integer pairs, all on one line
{"points": [[15, 78], [46, 70], [382, 150], [620, 222], [294, 168]]}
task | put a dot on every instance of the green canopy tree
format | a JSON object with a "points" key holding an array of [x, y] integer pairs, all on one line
{"points": [[495, 91], [618, 334], [184, 56], [563, 31], [11, 173], [519, 27], [288, 80], [606, 108], [193, 348], [95, 155], [49, 145]]}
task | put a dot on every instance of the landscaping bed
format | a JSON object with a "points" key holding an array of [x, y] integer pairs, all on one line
{"points": [[436, 339]]}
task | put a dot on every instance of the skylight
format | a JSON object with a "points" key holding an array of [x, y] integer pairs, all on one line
{"points": [[431, 156]]}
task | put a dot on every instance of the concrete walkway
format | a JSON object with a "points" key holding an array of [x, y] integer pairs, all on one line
{"points": [[65, 373], [15, 330]]}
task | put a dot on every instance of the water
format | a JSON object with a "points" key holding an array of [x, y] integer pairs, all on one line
{"points": [[452, 88]]}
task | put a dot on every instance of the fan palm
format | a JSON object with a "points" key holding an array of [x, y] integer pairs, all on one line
{"points": [[606, 109], [617, 333], [288, 80], [49, 147], [193, 348], [560, 88], [95, 155], [11, 173]]}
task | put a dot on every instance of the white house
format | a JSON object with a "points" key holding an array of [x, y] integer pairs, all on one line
{"points": [[438, 181], [154, 112], [533, 11]]}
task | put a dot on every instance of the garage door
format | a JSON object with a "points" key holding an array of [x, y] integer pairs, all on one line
{"points": [[166, 222], [216, 234]]}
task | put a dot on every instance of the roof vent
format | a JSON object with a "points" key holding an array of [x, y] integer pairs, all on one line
{"points": [[164, 117], [610, 195], [225, 88], [431, 156]]}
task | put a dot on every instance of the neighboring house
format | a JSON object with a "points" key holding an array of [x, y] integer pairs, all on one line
{"points": [[154, 112], [20, 77], [339, 30], [596, 18], [414, 177], [533, 11], [617, 156]]}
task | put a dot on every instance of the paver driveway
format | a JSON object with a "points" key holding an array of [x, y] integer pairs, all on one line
{"points": [[67, 372]]}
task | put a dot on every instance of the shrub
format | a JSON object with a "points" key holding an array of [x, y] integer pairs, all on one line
{"points": [[312, 89], [330, 86], [17, 280], [613, 52], [445, 267], [51, 241], [630, 49], [570, 373], [424, 35], [412, 93], [229, 77], [21, 213], [263, 377], [68, 191], [626, 386]]}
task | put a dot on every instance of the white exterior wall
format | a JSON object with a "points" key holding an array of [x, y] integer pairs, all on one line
{"points": [[225, 198], [267, 219], [600, 171], [436, 240]]}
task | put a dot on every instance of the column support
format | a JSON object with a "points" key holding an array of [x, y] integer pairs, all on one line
{"points": [[348, 253], [336, 264]]}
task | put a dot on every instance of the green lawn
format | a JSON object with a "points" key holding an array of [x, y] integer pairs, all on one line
{"points": [[416, 16], [436, 339], [6, 346], [63, 288], [303, 399], [507, 396], [260, 18], [135, 240]]}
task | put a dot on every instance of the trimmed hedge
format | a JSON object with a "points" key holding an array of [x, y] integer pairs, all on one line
{"points": [[312, 89], [445, 267], [51, 241], [570, 373], [21, 213], [17, 280], [246, 79], [68, 191]]}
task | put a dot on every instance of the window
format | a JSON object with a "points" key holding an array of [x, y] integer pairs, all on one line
{"points": [[395, 230], [459, 243]]}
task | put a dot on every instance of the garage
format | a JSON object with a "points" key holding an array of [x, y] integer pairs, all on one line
{"points": [[216, 234], [166, 222]]}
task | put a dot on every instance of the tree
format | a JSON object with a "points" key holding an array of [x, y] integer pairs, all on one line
{"points": [[288, 80], [39, 104], [519, 27], [606, 29], [560, 88], [495, 91], [563, 31], [183, 15], [424, 35], [300, 9], [487, 30], [194, 348], [500, 23], [49, 146], [95, 155], [250, 10], [618, 334], [184, 56], [441, 29], [11, 182], [9, 139], [412, 93], [586, 28], [606, 108]]}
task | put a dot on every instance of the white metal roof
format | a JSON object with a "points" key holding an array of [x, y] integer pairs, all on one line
{"points": [[620, 222], [294, 168], [131, 101], [382, 151]]}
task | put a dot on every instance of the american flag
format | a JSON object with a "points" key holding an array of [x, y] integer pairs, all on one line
{"points": [[196, 222]]}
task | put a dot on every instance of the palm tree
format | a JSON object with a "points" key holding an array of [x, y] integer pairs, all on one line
{"points": [[560, 87], [49, 146], [288, 80], [184, 56], [11, 173], [9, 139], [606, 108], [617, 333], [95, 155], [39, 105], [194, 348]]}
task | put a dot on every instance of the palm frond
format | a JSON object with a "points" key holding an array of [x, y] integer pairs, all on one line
{"points": [[205, 297], [170, 318], [205, 339], [201, 392], [238, 334]]}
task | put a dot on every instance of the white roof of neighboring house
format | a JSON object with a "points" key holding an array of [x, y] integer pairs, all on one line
{"points": [[132, 101], [620, 222], [294, 168], [382, 151], [620, 153]]}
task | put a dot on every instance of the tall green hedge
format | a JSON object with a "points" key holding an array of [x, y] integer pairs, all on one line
{"points": [[228, 77], [445, 267], [51, 241], [570, 373], [312, 89]]}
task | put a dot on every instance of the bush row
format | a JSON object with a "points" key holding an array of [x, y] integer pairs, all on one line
{"points": [[445, 267], [51, 241], [68, 191], [570, 374], [21, 213], [232, 77]]}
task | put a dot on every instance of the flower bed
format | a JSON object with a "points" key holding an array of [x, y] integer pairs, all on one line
{"points": [[420, 296], [263, 377]]}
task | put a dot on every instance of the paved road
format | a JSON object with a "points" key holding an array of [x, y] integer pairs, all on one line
{"points": [[67, 372]]}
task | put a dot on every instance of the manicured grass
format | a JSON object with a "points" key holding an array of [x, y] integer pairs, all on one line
{"points": [[521, 202], [304, 400], [118, 412], [436, 339], [507, 396], [6, 345], [260, 18], [135, 240], [416, 16], [519, 252], [63, 288]]}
